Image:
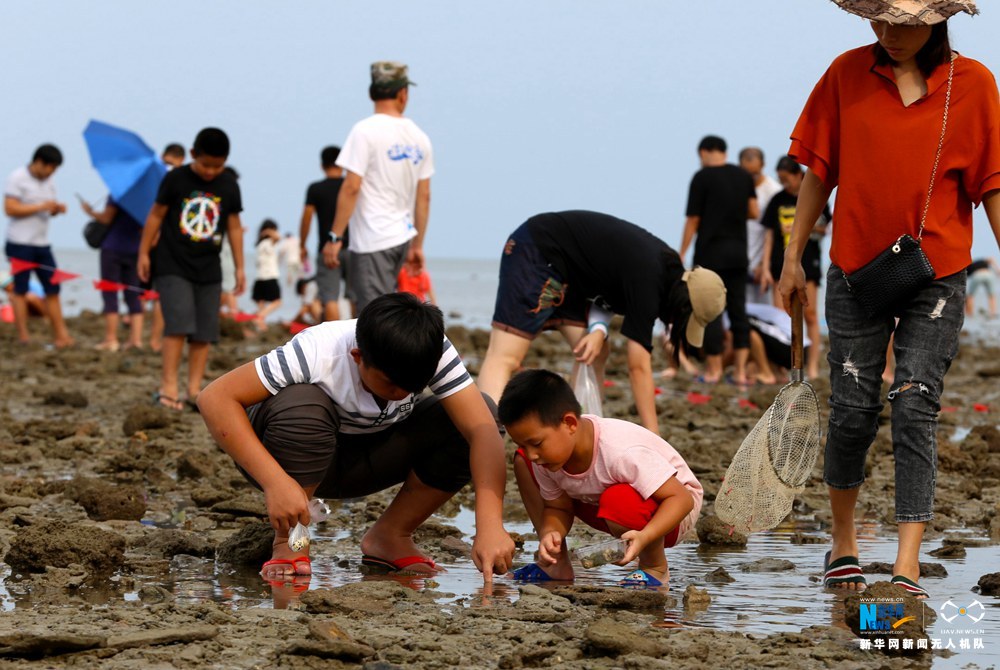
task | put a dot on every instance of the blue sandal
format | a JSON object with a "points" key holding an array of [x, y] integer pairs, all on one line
{"points": [[531, 573], [639, 578]]}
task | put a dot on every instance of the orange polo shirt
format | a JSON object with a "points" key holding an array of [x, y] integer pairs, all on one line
{"points": [[855, 134]]}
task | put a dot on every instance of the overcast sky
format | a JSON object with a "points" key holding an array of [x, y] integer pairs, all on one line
{"points": [[532, 106]]}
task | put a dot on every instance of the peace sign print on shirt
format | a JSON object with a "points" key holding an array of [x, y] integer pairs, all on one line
{"points": [[200, 216]]}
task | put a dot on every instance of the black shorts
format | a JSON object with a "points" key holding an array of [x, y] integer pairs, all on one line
{"points": [[532, 297], [266, 290], [189, 309], [300, 428]]}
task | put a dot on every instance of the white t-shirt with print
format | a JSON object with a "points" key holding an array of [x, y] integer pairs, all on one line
{"points": [[755, 230], [267, 259], [30, 230], [321, 355], [391, 154]]}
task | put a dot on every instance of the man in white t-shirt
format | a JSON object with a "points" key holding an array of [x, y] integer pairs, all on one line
{"points": [[339, 412], [387, 191], [29, 199], [752, 160]]}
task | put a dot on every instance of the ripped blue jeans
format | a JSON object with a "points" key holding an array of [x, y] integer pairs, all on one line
{"points": [[925, 344]]}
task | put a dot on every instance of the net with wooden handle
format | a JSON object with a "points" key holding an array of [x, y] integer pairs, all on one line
{"points": [[774, 462]]}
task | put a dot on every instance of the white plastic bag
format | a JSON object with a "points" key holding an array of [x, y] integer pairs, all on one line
{"points": [[298, 539], [587, 392]]}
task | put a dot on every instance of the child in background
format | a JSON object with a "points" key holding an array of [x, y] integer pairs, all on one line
{"points": [[35, 298], [416, 280], [266, 288], [616, 476], [30, 201], [311, 310], [197, 206], [777, 221]]}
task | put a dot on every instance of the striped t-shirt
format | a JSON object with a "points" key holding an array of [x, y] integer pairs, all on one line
{"points": [[321, 355]]}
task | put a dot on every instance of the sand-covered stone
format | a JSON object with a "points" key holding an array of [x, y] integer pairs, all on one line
{"points": [[713, 531], [104, 501], [171, 542], [926, 569], [720, 575], [611, 638], [60, 545], [615, 598], [695, 597], [361, 597], [145, 417], [250, 545], [66, 397], [949, 549], [989, 585], [194, 465], [767, 564]]}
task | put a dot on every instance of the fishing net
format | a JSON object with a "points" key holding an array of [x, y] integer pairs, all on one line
{"points": [[774, 462], [776, 459]]}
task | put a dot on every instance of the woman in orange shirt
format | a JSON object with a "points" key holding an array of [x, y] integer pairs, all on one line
{"points": [[871, 128]]}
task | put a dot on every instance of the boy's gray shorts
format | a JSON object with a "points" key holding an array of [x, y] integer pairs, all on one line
{"points": [[375, 274], [300, 428], [189, 309]]}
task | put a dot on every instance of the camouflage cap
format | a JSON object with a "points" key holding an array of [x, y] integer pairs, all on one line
{"points": [[390, 74], [908, 12]]}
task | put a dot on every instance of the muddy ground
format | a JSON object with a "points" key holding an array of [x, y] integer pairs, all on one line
{"points": [[102, 495]]}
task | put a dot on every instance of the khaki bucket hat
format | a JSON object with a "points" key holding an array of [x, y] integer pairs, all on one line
{"points": [[908, 12], [708, 300]]}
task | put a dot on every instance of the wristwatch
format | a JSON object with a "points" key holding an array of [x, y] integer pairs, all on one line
{"points": [[333, 237]]}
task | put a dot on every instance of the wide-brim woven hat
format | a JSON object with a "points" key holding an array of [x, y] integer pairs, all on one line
{"points": [[908, 12]]}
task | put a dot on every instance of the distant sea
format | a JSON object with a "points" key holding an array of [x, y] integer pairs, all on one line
{"points": [[465, 287]]}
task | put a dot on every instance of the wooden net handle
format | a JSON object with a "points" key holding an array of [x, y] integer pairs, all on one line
{"points": [[797, 340]]}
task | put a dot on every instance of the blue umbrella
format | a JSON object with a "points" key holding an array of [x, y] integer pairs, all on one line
{"points": [[130, 169]]}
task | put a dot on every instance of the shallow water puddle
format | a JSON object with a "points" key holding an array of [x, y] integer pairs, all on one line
{"points": [[757, 603]]}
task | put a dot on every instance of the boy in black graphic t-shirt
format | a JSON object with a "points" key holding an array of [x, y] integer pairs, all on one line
{"points": [[197, 205]]}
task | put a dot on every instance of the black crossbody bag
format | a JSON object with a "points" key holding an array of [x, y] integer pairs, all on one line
{"points": [[893, 276]]}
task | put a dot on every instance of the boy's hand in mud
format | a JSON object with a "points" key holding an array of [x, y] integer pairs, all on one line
{"points": [[636, 543], [589, 347], [287, 505], [493, 552], [549, 548]]}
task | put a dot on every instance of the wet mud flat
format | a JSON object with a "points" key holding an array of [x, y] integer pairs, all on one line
{"points": [[129, 538]]}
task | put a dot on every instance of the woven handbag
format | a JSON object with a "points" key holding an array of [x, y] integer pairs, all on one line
{"points": [[896, 274]]}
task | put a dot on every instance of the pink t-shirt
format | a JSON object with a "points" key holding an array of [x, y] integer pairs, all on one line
{"points": [[624, 453]]}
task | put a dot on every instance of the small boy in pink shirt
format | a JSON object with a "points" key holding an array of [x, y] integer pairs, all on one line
{"points": [[614, 475]]}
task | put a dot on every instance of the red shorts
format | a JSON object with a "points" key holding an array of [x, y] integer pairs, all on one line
{"points": [[620, 504]]}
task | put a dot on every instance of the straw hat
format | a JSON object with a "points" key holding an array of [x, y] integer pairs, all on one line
{"points": [[908, 12]]}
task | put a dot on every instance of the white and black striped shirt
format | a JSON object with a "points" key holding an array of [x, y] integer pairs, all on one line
{"points": [[321, 355]]}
